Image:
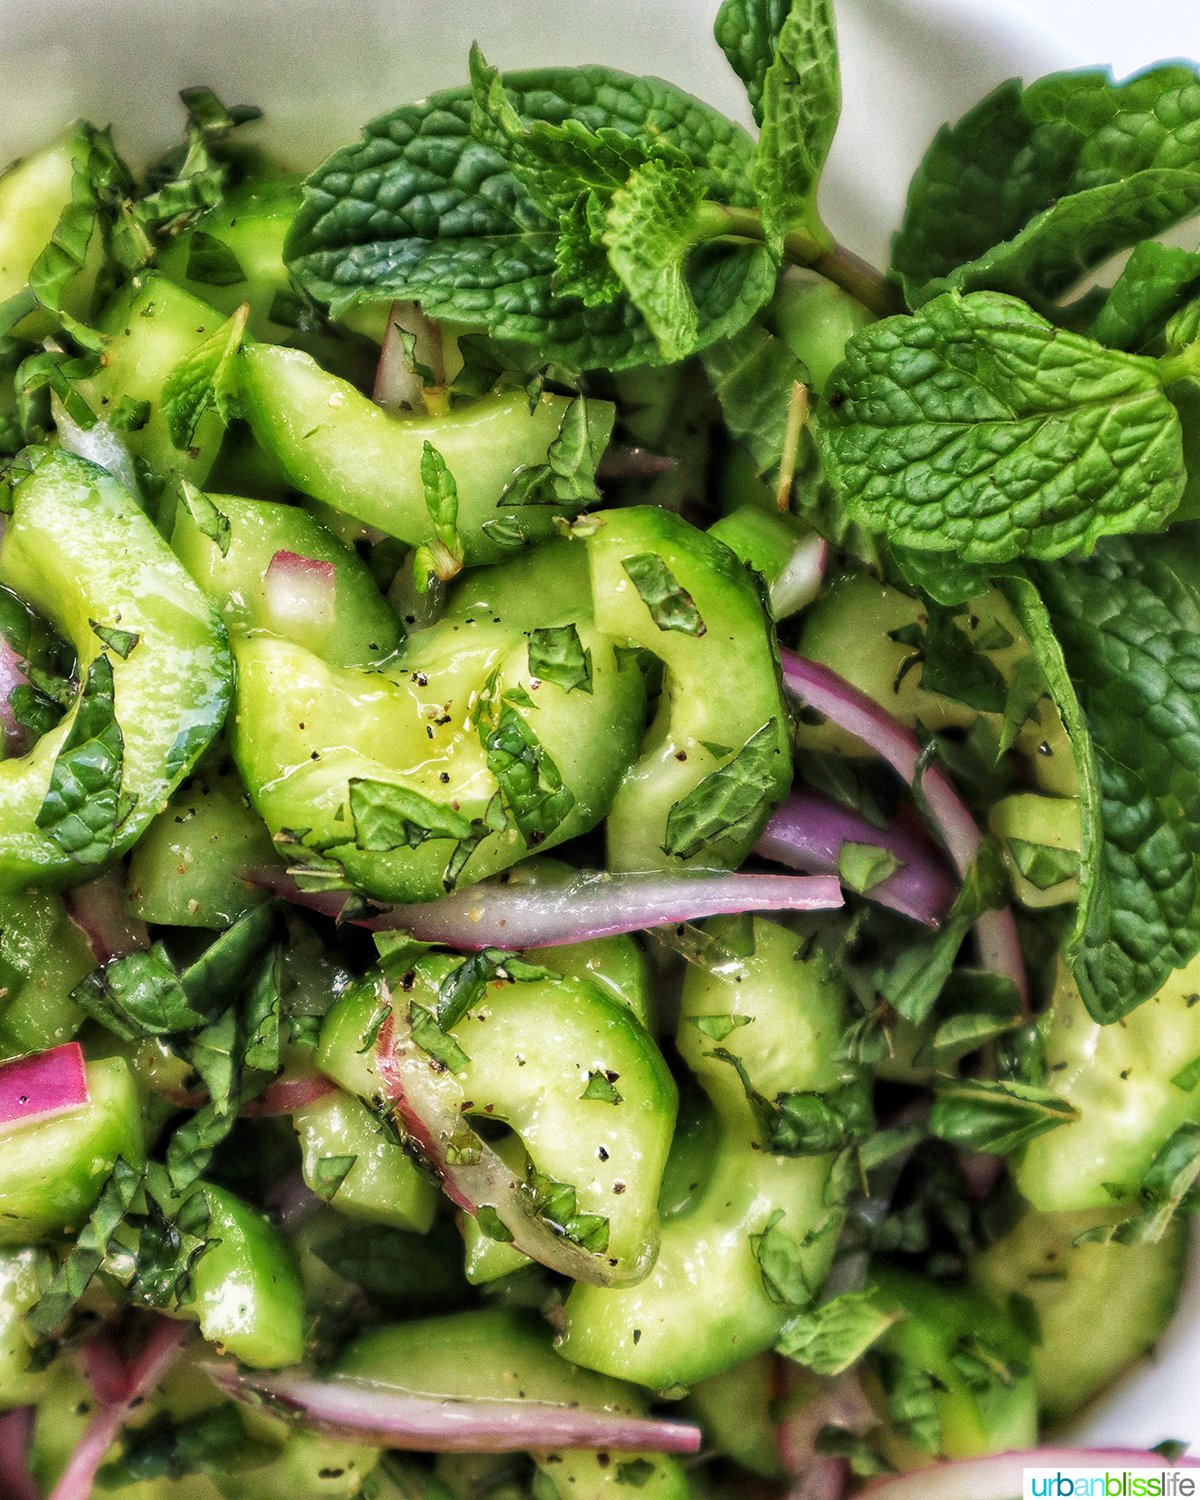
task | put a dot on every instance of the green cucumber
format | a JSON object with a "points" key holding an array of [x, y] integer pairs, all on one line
{"points": [[351, 627], [80, 551], [43, 956], [1097, 1307], [1133, 1085], [503, 1352], [568, 1069], [151, 325], [457, 708], [349, 1159], [339, 447], [706, 1306], [52, 1170], [954, 1373], [720, 635], [24, 1276], [188, 869]]}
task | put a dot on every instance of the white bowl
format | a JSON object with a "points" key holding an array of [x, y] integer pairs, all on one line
{"points": [[320, 70]]}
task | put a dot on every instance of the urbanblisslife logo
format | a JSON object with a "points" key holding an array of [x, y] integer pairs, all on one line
{"points": [[1111, 1484]]}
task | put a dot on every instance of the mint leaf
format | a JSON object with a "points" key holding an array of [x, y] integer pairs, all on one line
{"points": [[800, 104], [211, 262], [119, 642], [753, 375], [556, 654], [1168, 1187], [431, 1038], [82, 808], [746, 31], [191, 179], [204, 379], [210, 522], [388, 816], [441, 556], [420, 210], [996, 1117], [329, 1172], [834, 1336], [531, 788], [138, 995], [729, 799], [650, 227], [671, 607], [1035, 187], [1128, 626], [978, 429], [600, 1086], [87, 1254], [1155, 282]]}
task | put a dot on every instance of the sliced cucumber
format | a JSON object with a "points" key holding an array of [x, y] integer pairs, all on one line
{"points": [[1098, 1306]]}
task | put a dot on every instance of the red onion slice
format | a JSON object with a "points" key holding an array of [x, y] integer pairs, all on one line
{"points": [[16, 1439], [143, 1375], [286, 1095], [800, 581], [398, 385], [37, 1088], [300, 593], [429, 1102], [17, 739], [808, 832], [517, 914], [851, 710], [365, 1412], [100, 911], [1001, 1476]]}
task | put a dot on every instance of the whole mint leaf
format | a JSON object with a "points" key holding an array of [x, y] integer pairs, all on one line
{"points": [[1073, 168], [420, 210], [977, 429], [1130, 633], [801, 102]]}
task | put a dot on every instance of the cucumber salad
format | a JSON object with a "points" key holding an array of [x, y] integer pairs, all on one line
{"points": [[599, 800]]}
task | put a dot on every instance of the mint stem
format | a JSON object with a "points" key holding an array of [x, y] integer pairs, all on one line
{"points": [[803, 247], [1183, 365]]}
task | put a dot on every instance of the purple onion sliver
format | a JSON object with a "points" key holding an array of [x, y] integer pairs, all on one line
{"points": [[518, 914], [98, 908], [16, 1439], [145, 1372], [856, 713], [1001, 1476], [807, 833], [45, 1084], [17, 740], [595, 905], [366, 1412], [800, 581]]}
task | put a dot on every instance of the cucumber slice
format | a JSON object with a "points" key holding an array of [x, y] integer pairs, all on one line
{"points": [[349, 1160], [80, 551], [188, 869], [43, 956], [1098, 1306], [24, 1276], [152, 324], [1120, 1079], [339, 447], [52, 1170], [357, 630]]}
